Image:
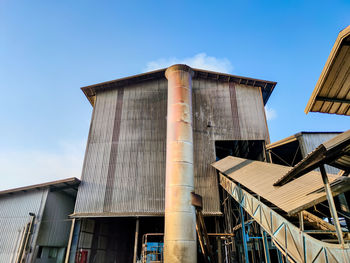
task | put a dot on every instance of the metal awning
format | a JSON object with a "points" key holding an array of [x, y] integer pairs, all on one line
{"points": [[335, 152], [332, 91], [297, 195]]}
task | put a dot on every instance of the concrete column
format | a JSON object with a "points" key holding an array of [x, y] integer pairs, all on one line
{"points": [[180, 215]]}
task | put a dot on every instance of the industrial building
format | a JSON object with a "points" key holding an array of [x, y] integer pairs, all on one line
{"points": [[179, 167], [35, 223], [123, 179]]}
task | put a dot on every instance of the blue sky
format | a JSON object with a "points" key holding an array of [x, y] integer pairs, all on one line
{"points": [[48, 50]]}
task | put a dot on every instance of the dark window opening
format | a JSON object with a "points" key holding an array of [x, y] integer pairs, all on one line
{"points": [[248, 149], [40, 252]]}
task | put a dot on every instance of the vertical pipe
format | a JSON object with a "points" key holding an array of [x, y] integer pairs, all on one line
{"points": [[180, 216], [70, 241], [137, 226]]}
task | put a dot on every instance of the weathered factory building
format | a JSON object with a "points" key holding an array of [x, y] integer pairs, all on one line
{"points": [[34, 222], [123, 178]]}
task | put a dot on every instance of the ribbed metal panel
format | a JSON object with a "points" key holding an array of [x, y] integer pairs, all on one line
{"points": [[220, 112], [14, 215], [310, 141], [55, 225], [251, 113]]}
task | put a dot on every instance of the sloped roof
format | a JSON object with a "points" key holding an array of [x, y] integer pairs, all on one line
{"points": [[294, 137], [293, 197], [64, 185], [266, 86], [332, 91], [335, 152]]}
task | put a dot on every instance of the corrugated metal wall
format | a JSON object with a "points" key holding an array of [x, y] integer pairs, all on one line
{"points": [[124, 167], [14, 215], [55, 225], [309, 141]]}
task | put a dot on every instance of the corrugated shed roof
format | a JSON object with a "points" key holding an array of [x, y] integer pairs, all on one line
{"points": [[335, 152], [294, 137], [266, 86], [332, 91], [259, 177], [59, 184]]}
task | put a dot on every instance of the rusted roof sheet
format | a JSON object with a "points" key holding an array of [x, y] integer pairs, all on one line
{"points": [[332, 91], [266, 86], [54, 185], [335, 152], [293, 197]]}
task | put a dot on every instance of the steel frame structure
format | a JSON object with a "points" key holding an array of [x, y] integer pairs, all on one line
{"points": [[295, 244]]}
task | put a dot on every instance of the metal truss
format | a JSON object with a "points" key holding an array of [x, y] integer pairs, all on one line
{"points": [[295, 244]]}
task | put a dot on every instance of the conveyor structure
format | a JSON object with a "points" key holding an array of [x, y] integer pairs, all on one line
{"points": [[274, 196]]}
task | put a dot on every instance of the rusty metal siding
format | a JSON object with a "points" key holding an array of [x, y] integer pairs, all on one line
{"points": [[55, 225], [251, 113], [94, 177], [139, 178], [14, 215], [310, 141]]}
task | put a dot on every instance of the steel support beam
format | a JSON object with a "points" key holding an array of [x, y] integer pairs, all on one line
{"points": [[290, 240], [332, 208], [137, 226]]}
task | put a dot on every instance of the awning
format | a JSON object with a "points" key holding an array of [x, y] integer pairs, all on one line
{"points": [[293, 197], [332, 91]]}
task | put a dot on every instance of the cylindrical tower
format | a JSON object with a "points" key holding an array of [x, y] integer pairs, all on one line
{"points": [[180, 215]]}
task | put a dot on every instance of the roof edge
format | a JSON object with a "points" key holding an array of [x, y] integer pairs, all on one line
{"points": [[335, 50], [73, 181], [266, 86], [295, 136]]}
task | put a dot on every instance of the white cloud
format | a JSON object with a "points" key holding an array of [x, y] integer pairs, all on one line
{"points": [[270, 113], [200, 61], [27, 167]]}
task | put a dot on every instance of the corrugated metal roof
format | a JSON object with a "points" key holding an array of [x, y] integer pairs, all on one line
{"points": [[335, 152], [54, 185], [332, 91], [266, 86], [259, 177], [294, 137]]}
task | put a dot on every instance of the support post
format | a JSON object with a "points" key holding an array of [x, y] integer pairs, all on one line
{"points": [[301, 221], [70, 241], [180, 215], [218, 240], [137, 226], [245, 247], [332, 205], [266, 246]]}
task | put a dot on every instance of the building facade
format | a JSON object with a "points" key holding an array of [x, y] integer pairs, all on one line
{"points": [[34, 222], [124, 167]]}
